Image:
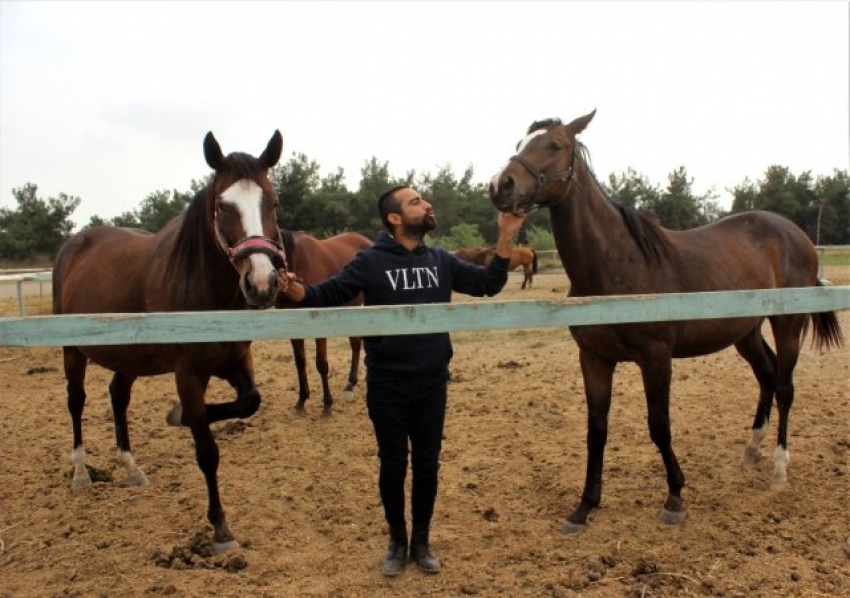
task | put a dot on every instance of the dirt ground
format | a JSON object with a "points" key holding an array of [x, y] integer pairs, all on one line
{"points": [[301, 493]]}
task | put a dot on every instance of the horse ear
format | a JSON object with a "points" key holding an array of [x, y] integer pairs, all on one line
{"points": [[273, 150], [579, 124], [212, 152]]}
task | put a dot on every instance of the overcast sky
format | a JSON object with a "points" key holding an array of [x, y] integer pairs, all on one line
{"points": [[110, 101]]}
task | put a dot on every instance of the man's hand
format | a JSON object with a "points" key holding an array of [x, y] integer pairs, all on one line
{"points": [[509, 225], [288, 285]]}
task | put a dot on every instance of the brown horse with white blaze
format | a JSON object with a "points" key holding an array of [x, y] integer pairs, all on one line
{"points": [[607, 249], [221, 253]]}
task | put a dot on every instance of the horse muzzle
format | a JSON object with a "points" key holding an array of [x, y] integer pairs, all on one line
{"points": [[257, 259]]}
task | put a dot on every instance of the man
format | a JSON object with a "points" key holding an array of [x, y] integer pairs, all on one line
{"points": [[407, 375]]}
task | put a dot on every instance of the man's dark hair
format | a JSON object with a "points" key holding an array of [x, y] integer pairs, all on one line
{"points": [[388, 204]]}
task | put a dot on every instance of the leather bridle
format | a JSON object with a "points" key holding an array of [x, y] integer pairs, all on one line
{"points": [[543, 179]]}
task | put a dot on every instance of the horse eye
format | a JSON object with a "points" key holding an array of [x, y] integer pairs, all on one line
{"points": [[556, 146]]}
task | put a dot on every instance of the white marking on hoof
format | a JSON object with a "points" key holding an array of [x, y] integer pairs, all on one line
{"points": [[752, 454], [348, 396], [781, 457], [81, 477], [222, 547], [175, 415], [135, 476]]}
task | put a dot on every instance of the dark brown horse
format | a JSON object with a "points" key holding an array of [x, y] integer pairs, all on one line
{"points": [[607, 249], [313, 261], [521, 255], [221, 253]]}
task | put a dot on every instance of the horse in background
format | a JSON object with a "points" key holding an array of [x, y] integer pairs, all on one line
{"points": [[221, 253], [521, 255], [313, 261], [608, 249]]}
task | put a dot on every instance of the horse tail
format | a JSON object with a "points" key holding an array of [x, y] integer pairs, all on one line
{"points": [[827, 331], [533, 260]]}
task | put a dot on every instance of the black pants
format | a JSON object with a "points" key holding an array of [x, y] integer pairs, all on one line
{"points": [[406, 409]]}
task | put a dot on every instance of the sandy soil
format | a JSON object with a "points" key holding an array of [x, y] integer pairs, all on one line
{"points": [[301, 496]]}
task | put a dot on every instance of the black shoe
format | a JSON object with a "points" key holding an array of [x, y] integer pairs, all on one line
{"points": [[420, 552], [396, 556]]}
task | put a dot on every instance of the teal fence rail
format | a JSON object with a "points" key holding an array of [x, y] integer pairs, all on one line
{"points": [[189, 327]]}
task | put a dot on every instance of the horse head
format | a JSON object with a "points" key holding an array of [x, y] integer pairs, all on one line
{"points": [[243, 203], [541, 171]]}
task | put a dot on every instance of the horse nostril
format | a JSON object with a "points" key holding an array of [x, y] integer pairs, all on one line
{"points": [[506, 186]]}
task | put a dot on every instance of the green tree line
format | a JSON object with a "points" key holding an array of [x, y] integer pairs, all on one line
{"points": [[324, 205]]}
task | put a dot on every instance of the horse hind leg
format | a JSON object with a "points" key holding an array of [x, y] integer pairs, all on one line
{"points": [[299, 355], [119, 391], [355, 342], [75, 374], [762, 361], [787, 331]]}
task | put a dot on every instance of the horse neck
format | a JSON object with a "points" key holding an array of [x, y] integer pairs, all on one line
{"points": [[201, 274], [590, 235]]}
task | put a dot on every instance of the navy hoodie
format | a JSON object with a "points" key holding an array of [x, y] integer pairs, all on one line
{"points": [[389, 274]]}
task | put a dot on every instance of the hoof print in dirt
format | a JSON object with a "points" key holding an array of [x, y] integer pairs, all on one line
{"points": [[233, 428]]}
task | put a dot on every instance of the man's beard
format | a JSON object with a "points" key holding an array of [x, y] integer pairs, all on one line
{"points": [[420, 229]]}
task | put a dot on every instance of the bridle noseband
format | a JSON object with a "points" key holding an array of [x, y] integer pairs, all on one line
{"points": [[250, 245], [258, 244], [543, 180]]}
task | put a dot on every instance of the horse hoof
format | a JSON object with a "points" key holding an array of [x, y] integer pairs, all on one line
{"points": [[80, 483], [348, 396], [573, 528], [672, 517], [175, 416], [139, 479], [751, 458], [778, 485], [222, 547]]}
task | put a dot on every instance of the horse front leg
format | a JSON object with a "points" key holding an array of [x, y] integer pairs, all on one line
{"points": [[240, 375], [119, 391], [656, 369], [324, 373], [191, 387], [356, 343], [598, 375]]}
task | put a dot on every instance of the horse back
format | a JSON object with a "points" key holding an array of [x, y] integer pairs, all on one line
{"points": [[103, 270], [748, 250]]}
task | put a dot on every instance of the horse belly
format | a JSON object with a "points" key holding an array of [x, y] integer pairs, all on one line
{"points": [[133, 360], [703, 337]]}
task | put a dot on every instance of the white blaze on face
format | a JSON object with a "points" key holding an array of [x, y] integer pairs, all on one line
{"points": [[494, 182], [247, 197]]}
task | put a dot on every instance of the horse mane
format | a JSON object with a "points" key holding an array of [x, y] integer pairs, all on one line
{"points": [[190, 254], [644, 227]]}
